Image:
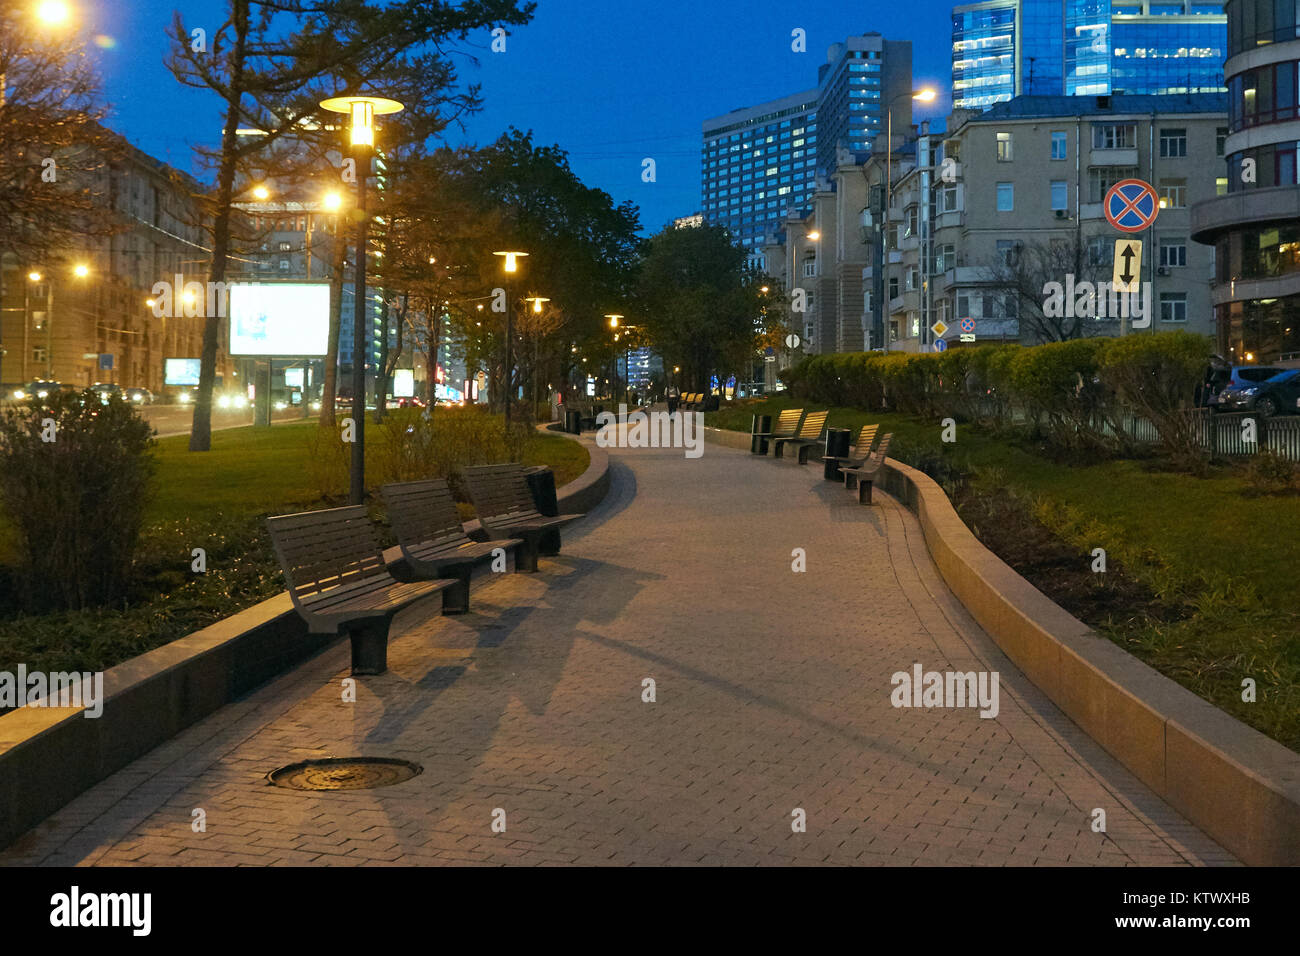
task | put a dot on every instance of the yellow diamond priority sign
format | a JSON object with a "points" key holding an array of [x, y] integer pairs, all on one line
{"points": [[939, 328]]}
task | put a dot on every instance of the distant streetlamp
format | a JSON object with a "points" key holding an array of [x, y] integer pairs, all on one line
{"points": [[510, 266], [261, 193], [925, 96], [537, 301], [362, 110]]}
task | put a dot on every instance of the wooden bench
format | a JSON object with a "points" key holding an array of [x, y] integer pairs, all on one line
{"points": [[808, 434], [866, 473], [787, 425], [506, 508], [433, 541], [691, 399], [337, 579], [857, 456]]}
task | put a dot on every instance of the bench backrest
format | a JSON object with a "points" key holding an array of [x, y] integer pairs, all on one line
{"points": [[787, 423], [500, 491], [878, 456], [812, 425], [865, 438], [423, 512], [322, 551]]}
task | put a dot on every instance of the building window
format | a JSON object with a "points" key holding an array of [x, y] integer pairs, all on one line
{"points": [[1173, 193], [1173, 253], [910, 221], [1173, 143], [1097, 251], [38, 353], [1007, 252], [1059, 148], [1173, 306], [913, 280], [1006, 197], [1220, 137], [1114, 136], [963, 305], [285, 247], [1101, 178], [284, 265], [893, 287], [1060, 194], [948, 198], [1004, 147]]}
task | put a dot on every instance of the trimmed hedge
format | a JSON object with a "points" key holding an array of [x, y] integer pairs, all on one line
{"points": [[1076, 395]]}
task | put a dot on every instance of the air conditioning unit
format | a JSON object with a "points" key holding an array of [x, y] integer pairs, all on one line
{"points": [[1162, 271], [1062, 214]]}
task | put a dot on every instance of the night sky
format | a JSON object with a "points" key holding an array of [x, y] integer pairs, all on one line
{"points": [[610, 82]]}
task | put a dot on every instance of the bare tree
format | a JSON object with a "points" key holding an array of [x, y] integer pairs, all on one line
{"points": [[1025, 275]]}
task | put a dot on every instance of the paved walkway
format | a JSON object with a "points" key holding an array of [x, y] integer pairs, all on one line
{"points": [[772, 693]]}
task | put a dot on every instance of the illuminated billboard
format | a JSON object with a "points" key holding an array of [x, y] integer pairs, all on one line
{"points": [[279, 318], [403, 383], [181, 371], [293, 377]]}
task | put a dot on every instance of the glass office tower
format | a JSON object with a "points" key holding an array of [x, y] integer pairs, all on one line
{"points": [[1002, 48]]}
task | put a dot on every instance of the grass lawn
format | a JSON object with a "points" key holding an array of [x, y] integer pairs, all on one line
{"points": [[216, 501], [1224, 561]]}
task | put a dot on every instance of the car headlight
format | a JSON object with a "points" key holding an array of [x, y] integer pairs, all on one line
{"points": [[280, 406], [42, 394], [185, 398], [1249, 391], [241, 402], [223, 401], [20, 394]]}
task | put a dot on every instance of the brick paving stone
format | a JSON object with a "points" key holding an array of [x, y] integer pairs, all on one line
{"points": [[772, 692]]}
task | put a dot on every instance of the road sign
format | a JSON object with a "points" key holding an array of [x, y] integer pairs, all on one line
{"points": [[968, 336], [940, 345], [1127, 274], [769, 351], [968, 325], [769, 358], [792, 341], [105, 361], [939, 328], [1131, 205]]}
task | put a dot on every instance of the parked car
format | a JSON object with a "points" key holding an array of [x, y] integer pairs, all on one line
{"points": [[138, 395], [1278, 394], [1221, 378]]}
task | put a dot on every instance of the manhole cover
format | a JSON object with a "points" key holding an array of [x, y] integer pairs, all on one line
{"points": [[344, 773]]}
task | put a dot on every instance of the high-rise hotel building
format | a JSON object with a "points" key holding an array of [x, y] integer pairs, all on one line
{"points": [[1005, 48], [760, 162], [1255, 227]]}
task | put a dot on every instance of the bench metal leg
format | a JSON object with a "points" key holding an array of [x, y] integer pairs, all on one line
{"points": [[370, 648], [455, 599], [850, 481], [864, 491], [526, 553]]}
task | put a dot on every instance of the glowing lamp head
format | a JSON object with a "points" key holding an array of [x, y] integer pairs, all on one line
{"points": [[925, 96], [81, 271], [34, 276], [814, 235], [333, 202], [362, 111], [512, 259], [53, 13], [261, 193], [613, 320]]}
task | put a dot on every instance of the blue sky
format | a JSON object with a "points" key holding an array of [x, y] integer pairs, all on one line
{"points": [[611, 83]]}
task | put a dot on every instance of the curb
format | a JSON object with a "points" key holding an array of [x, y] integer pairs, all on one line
{"points": [[50, 756], [1237, 785]]}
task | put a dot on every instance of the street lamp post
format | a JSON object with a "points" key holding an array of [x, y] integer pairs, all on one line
{"points": [[363, 110], [511, 266], [925, 95], [537, 301], [614, 318]]}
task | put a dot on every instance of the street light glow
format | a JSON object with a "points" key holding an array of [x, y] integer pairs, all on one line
{"points": [[925, 95], [362, 110], [814, 235], [333, 201], [34, 276], [512, 259], [261, 193], [613, 319], [81, 271], [53, 12], [537, 301]]}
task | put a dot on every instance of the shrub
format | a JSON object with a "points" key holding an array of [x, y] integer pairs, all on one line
{"points": [[1272, 474], [1157, 375], [77, 501], [1058, 386]]}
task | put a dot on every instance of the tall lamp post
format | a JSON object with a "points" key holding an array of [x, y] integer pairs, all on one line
{"points": [[925, 96], [614, 318], [537, 301], [511, 266], [363, 110]]}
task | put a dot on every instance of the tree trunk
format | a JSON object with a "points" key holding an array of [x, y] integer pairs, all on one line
{"points": [[201, 429]]}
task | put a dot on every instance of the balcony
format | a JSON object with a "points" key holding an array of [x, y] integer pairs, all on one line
{"points": [[948, 220], [1243, 209], [1113, 157]]}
